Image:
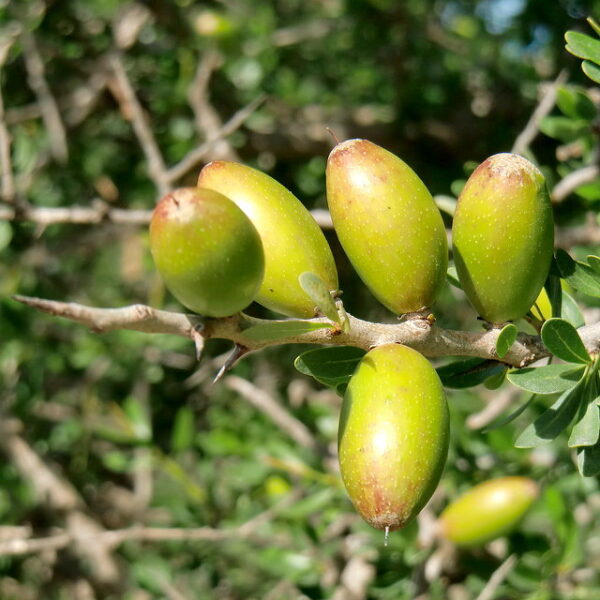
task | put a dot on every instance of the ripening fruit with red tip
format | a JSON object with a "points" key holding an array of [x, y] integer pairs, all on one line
{"points": [[503, 237], [488, 510], [292, 240], [207, 251], [393, 435], [388, 225]]}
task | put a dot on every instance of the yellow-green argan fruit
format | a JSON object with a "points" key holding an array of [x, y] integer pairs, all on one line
{"points": [[292, 240], [393, 435], [487, 511], [503, 237], [388, 225], [207, 251]]}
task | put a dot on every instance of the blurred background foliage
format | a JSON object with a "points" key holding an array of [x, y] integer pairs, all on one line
{"points": [[131, 421]]}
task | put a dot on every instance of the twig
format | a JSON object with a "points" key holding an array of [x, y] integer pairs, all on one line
{"points": [[261, 400], [60, 497], [421, 335], [498, 576], [46, 101], [197, 155], [116, 537], [545, 105], [7, 192], [567, 185], [97, 213], [585, 235], [208, 121], [497, 404], [132, 110]]}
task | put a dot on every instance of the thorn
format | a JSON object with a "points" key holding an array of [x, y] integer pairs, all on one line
{"points": [[237, 353], [198, 342], [386, 537], [332, 134]]}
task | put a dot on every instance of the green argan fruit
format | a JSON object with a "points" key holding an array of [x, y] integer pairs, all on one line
{"points": [[388, 225], [487, 511], [503, 236], [207, 251], [393, 435], [292, 240]]}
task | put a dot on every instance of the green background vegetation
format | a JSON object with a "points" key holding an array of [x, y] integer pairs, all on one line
{"points": [[134, 424]]}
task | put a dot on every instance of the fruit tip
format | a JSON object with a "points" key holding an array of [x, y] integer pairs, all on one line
{"points": [[346, 146]]}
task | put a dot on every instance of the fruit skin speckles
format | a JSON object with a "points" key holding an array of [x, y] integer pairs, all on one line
{"points": [[393, 435], [503, 237], [292, 240], [388, 225], [207, 251], [488, 510]]}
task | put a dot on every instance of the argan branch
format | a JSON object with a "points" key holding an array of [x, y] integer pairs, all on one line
{"points": [[420, 334]]}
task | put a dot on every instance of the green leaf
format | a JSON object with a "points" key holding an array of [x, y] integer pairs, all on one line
{"points": [[562, 339], [314, 286], [452, 277], [594, 262], [592, 70], [495, 381], [564, 129], [578, 275], [575, 103], [586, 431], [184, 430], [583, 46], [552, 422], [276, 330], [506, 338], [554, 290], [588, 460], [330, 366], [570, 310], [469, 372], [502, 421], [546, 380]]}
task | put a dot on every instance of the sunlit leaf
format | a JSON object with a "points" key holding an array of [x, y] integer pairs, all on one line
{"points": [[546, 380], [506, 338], [562, 339], [276, 330]]}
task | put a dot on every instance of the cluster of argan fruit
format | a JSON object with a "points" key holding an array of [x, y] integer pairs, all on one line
{"points": [[240, 236]]}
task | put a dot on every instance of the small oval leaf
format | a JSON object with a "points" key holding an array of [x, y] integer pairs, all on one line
{"points": [[587, 430], [552, 422], [594, 262], [588, 460], [546, 380], [562, 339], [469, 372], [570, 311], [592, 70], [583, 46], [315, 287], [578, 275], [266, 332], [506, 338], [330, 366]]}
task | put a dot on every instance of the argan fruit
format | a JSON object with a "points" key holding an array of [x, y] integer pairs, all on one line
{"points": [[393, 435], [487, 511], [207, 251], [388, 225], [503, 237], [292, 240]]}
